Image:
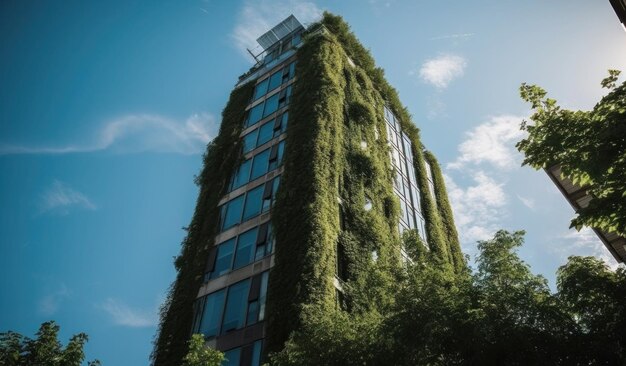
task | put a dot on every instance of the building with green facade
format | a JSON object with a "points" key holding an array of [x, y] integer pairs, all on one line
{"points": [[315, 175]]}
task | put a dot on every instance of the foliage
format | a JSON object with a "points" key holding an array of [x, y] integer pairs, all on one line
{"points": [[336, 160], [501, 314], [201, 355], [589, 146], [220, 160], [45, 350], [594, 295]]}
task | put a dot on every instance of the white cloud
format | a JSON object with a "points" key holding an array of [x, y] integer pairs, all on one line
{"points": [[491, 142], [258, 17], [49, 304], [476, 208], [124, 315], [138, 133], [440, 71], [60, 197], [455, 36], [528, 202], [582, 243]]}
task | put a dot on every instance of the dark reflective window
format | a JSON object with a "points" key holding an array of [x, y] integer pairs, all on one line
{"points": [[224, 258], [271, 105], [249, 141], [266, 133], [260, 164], [245, 248], [232, 357], [275, 80], [212, 313], [231, 212], [241, 175], [254, 200], [255, 114], [236, 306], [261, 89]]}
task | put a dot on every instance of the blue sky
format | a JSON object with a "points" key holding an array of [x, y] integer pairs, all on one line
{"points": [[105, 109]]}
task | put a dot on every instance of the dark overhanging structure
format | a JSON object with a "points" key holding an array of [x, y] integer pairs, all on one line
{"points": [[620, 9], [578, 197]]}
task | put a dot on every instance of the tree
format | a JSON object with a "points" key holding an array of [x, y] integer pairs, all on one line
{"points": [[201, 355], [45, 350], [589, 146], [595, 296]]}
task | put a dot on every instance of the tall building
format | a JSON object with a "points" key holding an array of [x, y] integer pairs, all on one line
{"points": [[316, 173]]}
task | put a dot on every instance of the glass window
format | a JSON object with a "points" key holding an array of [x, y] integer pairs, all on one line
{"points": [[261, 89], [249, 141], [212, 313], [268, 243], [292, 66], [231, 212], [245, 248], [255, 114], [231, 357], [259, 166], [279, 157], [224, 258], [416, 197], [241, 175], [403, 211], [263, 295], [254, 199], [253, 312], [283, 124], [275, 80], [266, 132], [271, 105], [236, 305]]}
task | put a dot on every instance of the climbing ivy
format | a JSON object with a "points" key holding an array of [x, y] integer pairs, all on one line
{"points": [[336, 214], [445, 213], [220, 161]]}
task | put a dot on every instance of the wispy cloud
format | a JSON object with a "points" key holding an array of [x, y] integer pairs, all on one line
{"points": [[583, 243], [49, 304], [528, 202], [60, 198], [138, 133], [256, 18], [455, 36], [124, 315], [440, 71], [477, 208], [491, 142]]}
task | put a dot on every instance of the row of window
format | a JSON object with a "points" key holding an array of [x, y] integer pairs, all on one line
{"points": [[259, 165], [248, 205], [275, 80], [268, 106], [267, 131], [249, 355], [285, 45], [237, 306], [240, 251], [405, 182]]}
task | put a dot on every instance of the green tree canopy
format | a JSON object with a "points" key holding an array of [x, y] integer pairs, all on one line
{"points": [[45, 350], [500, 314], [589, 146], [201, 355]]}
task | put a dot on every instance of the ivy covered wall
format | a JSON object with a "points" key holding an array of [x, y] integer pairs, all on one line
{"points": [[336, 214], [220, 160]]}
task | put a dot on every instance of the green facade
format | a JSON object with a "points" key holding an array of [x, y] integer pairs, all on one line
{"points": [[336, 215]]}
